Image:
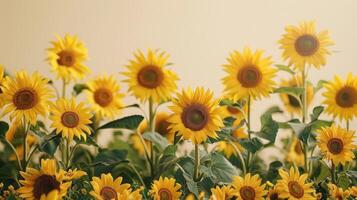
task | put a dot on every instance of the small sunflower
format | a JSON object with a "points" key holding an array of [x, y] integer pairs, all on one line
{"points": [[295, 153], [72, 174], [303, 46], [337, 193], [292, 186], [353, 191], [26, 96], [196, 115], [336, 144], [105, 188], [148, 77], [249, 74], [249, 187], [165, 189], [227, 147], [45, 183], [66, 57], [341, 97], [104, 96], [273, 194], [222, 193], [70, 119]]}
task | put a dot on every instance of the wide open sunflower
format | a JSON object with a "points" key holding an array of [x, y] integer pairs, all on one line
{"points": [[106, 188], [222, 193], [249, 187], [165, 188]]}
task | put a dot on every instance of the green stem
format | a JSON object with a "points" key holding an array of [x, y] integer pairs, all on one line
{"points": [[15, 152], [146, 150], [197, 164], [240, 157], [68, 149], [137, 174], [31, 154], [304, 114], [333, 168], [249, 134], [24, 145]]}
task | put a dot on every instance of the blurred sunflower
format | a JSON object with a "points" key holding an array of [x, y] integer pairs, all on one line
{"points": [[105, 188], [292, 186], [353, 191], [104, 96], [148, 77], [70, 119], [249, 187], [302, 45], [66, 57], [165, 188], [295, 154], [196, 115], [26, 96], [336, 144], [341, 97], [44, 184], [233, 111], [222, 193], [337, 192], [227, 148], [273, 194], [249, 74]]}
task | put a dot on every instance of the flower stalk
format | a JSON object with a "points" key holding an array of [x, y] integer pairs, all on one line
{"points": [[197, 164]]}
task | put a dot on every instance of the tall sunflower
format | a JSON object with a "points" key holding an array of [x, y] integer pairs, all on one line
{"points": [[341, 97], [148, 77], [165, 188], [70, 119], [249, 187], [295, 154], [227, 148], [302, 45], [292, 186], [336, 144], [104, 96], [249, 74], [196, 115], [105, 188], [26, 96], [337, 192], [222, 193], [66, 56], [45, 183]]}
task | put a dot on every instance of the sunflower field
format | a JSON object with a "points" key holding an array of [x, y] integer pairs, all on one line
{"points": [[203, 148]]}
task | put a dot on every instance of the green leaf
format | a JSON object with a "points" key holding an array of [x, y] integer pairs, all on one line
{"points": [[49, 143], [343, 181], [79, 87], [319, 124], [4, 127], [222, 169], [294, 91], [252, 145], [316, 112], [302, 131], [170, 150], [157, 139], [323, 172], [319, 85], [130, 122], [273, 110], [269, 128], [285, 68], [107, 160], [273, 171]]}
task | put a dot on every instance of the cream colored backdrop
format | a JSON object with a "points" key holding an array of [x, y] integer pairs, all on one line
{"points": [[199, 34]]}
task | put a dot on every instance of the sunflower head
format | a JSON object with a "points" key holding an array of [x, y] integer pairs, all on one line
{"points": [[196, 115], [72, 174], [249, 74], [337, 193], [106, 188], [227, 148], [148, 77], [295, 154], [302, 45], [273, 194], [165, 189], [336, 144], [249, 187], [222, 193]]}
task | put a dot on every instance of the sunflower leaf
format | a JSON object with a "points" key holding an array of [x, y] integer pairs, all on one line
{"points": [[78, 88], [251, 145], [269, 127], [285, 68], [316, 112], [319, 85], [129, 122], [4, 127], [160, 141], [294, 91], [222, 169]]}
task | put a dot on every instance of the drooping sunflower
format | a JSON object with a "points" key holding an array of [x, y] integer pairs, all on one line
{"points": [[249, 74], [196, 115], [337, 192], [66, 56], [45, 183], [165, 188], [105, 188], [227, 148], [292, 186], [70, 119], [336, 144], [222, 193], [295, 154], [302, 45], [26, 96], [249, 187], [341, 97], [148, 77], [104, 96]]}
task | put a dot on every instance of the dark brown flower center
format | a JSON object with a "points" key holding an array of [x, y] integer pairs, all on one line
{"points": [[306, 45], [298, 148], [44, 184], [195, 117], [346, 97], [162, 127], [249, 76], [70, 119], [108, 193], [103, 97], [274, 196], [66, 58], [295, 189], [150, 76], [25, 98], [165, 194], [247, 193], [335, 145], [233, 110], [293, 101]]}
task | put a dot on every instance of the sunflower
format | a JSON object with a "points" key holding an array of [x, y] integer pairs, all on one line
{"points": [[291, 103], [26, 96], [45, 183], [105, 188], [70, 119], [249, 187], [131, 195], [196, 115], [66, 57], [292, 186], [14, 129], [303, 46], [273, 194], [165, 189], [295, 154], [222, 193], [72, 174], [249, 74], [227, 148], [341, 97], [336, 144], [353, 191], [337, 193], [148, 77], [104, 96]]}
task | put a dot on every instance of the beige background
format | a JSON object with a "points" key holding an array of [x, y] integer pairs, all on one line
{"points": [[199, 34]]}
